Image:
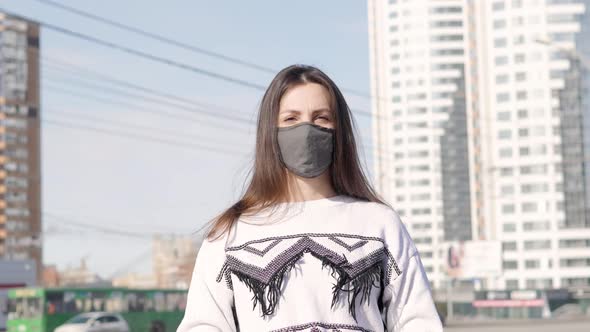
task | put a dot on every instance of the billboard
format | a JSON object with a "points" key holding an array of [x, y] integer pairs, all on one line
{"points": [[503, 299], [473, 259]]}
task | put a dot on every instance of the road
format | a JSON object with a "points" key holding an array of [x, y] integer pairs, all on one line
{"points": [[533, 326]]}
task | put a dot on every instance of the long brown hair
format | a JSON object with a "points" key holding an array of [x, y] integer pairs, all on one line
{"points": [[268, 185]]}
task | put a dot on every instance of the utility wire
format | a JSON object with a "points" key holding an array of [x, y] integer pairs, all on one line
{"points": [[158, 59], [108, 89], [129, 106], [381, 153], [176, 43], [185, 145], [80, 71], [77, 115]]}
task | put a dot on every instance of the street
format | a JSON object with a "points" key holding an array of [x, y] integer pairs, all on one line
{"points": [[536, 326]]}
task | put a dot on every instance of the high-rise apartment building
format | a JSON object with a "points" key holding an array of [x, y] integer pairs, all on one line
{"points": [[20, 135], [482, 121]]}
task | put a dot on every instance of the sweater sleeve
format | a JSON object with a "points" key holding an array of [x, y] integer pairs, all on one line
{"points": [[209, 306], [407, 299]]}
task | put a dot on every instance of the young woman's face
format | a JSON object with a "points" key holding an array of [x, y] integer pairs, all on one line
{"points": [[309, 102]]}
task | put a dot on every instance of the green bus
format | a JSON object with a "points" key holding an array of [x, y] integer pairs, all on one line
{"points": [[44, 309]]}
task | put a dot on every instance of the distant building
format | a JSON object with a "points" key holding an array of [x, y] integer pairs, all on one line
{"points": [[135, 280], [173, 259], [81, 276], [20, 142], [482, 132], [50, 276]]}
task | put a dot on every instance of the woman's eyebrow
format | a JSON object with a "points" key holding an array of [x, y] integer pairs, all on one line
{"points": [[314, 111]]}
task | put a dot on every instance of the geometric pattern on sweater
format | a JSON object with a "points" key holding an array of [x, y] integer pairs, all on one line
{"points": [[322, 327], [356, 261]]}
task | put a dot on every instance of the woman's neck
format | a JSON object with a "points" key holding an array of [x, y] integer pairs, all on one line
{"points": [[306, 189]]}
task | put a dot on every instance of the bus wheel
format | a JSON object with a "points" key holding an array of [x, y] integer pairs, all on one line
{"points": [[157, 326]]}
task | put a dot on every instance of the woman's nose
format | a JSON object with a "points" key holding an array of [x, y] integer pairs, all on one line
{"points": [[306, 118]]}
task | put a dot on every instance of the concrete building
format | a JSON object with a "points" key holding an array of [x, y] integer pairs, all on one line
{"points": [[482, 116], [20, 136], [173, 260]]}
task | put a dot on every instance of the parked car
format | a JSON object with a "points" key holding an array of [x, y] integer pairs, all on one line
{"points": [[95, 322]]}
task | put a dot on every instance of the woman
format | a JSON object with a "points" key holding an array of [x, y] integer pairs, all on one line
{"points": [[309, 246]]}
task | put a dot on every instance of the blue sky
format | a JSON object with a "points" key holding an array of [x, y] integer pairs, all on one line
{"points": [[144, 186]]}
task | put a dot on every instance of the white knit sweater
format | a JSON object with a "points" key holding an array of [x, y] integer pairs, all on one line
{"points": [[333, 264]]}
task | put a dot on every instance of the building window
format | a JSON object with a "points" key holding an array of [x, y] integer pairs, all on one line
{"points": [[537, 244], [505, 134], [501, 60], [446, 24], [509, 246], [519, 40], [574, 243], [500, 42], [500, 24], [574, 262], [498, 6], [511, 284], [507, 190], [503, 97], [445, 10], [508, 208], [531, 264], [520, 76], [506, 171], [502, 79], [517, 21], [441, 38], [529, 207], [519, 58], [509, 227], [505, 152], [536, 226], [503, 116], [510, 265]]}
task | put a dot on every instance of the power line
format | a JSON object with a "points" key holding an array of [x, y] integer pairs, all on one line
{"points": [[80, 71], [160, 38], [101, 229], [77, 115], [176, 43], [87, 74], [144, 55], [191, 146], [192, 110], [158, 59], [136, 108], [379, 154]]}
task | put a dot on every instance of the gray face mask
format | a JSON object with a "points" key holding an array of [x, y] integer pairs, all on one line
{"points": [[306, 148]]}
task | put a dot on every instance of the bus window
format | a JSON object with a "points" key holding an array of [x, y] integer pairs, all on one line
{"points": [[159, 302], [131, 302], [87, 303], [20, 308], [140, 303], [54, 303], [98, 301], [70, 302], [114, 303]]}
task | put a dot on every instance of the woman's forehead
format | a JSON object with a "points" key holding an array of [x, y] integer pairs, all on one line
{"points": [[305, 97]]}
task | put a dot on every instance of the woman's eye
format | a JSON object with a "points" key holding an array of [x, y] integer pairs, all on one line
{"points": [[290, 119]]}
